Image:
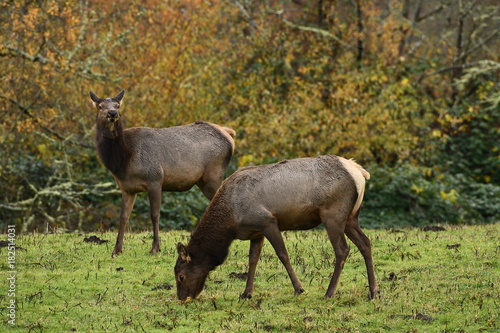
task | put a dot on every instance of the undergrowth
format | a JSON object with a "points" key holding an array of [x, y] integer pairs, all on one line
{"points": [[430, 281]]}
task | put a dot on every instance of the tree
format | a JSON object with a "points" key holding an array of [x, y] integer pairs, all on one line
{"points": [[387, 83]]}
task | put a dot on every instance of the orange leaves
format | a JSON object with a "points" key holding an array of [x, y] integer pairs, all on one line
{"points": [[26, 125], [289, 89]]}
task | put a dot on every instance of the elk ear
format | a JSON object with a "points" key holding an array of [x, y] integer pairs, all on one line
{"points": [[118, 98], [182, 250], [94, 97]]}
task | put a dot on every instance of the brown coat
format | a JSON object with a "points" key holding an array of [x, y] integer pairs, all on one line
{"points": [[152, 160], [260, 201]]}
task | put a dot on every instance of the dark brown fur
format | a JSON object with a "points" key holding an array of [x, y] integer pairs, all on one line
{"points": [[113, 151], [143, 159]]}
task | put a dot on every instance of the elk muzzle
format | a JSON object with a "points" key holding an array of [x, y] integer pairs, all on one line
{"points": [[113, 116]]}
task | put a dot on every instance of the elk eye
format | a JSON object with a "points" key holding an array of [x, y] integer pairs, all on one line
{"points": [[181, 278], [100, 107]]}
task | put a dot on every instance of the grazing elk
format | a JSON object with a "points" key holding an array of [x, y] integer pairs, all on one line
{"points": [[260, 201], [152, 160]]}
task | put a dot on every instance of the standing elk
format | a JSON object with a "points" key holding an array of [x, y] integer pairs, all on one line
{"points": [[152, 160], [260, 201]]}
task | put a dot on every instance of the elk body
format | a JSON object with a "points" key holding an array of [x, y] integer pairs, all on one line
{"points": [[143, 159], [260, 201]]}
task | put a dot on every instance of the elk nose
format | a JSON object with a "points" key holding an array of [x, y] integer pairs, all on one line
{"points": [[113, 114]]}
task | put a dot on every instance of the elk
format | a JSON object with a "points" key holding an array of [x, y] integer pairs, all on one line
{"points": [[153, 160], [261, 201]]}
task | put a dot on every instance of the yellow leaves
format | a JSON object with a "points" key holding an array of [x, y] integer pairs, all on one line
{"points": [[46, 152], [436, 133], [246, 160], [485, 89], [452, 124], [417, 189], [427, 171], [289, 93], [377, 78], [289, 57], [451, 196], [42, 148]]}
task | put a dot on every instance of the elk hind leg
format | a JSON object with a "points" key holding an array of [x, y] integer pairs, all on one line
{"points": [[155, 203], [356, 235], [210, 182], [335, 228]]}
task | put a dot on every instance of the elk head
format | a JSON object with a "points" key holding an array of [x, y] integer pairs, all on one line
{"points": [[190, 278], [107, 109]]}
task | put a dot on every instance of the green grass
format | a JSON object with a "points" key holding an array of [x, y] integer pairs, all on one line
{"points": [[428, 284]]}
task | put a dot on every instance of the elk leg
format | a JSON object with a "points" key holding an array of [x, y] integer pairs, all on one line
{"points": [[356, 235], [273, 234], [210, 184], [154, 205], [254, 255], [335, 232], [128, 200]]}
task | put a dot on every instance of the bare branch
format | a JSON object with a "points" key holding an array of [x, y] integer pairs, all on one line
{"points": [[35, 58], [67, 191], [429, 14], [450, 68], [26, 111], [244, 11], [479, 45], [317, 31]]}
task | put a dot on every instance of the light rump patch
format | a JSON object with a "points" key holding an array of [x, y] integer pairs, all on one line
{"points": [[359, 175]]}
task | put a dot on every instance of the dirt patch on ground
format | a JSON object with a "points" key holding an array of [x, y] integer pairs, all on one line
{"points": [[6, 244], [433, 228], [418, 316], [95, 240], [165, 286], [239, 276]]}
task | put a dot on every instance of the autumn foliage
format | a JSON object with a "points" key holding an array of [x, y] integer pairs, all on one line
{"points": [[389, 83]]}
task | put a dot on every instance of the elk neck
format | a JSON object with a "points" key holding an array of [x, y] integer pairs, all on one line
{"points": [[214, 234], [112, 148]]}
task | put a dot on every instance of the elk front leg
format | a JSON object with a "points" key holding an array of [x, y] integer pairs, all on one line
{"points": [[273, 234], [128, 200], [155, 203], [254, 255]]}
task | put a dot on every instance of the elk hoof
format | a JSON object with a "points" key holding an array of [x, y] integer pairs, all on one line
{"points": [[299, 291], [373, 294], [245, 296]]}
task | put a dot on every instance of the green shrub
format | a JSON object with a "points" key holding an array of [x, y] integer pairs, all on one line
{"points": [[408, 195], [179, 210]]}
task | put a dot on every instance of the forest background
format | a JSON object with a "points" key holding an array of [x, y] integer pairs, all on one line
{"points": [[409, 89]]}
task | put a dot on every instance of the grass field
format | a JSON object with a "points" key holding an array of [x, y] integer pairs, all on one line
{"points": [[430, 281]]}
